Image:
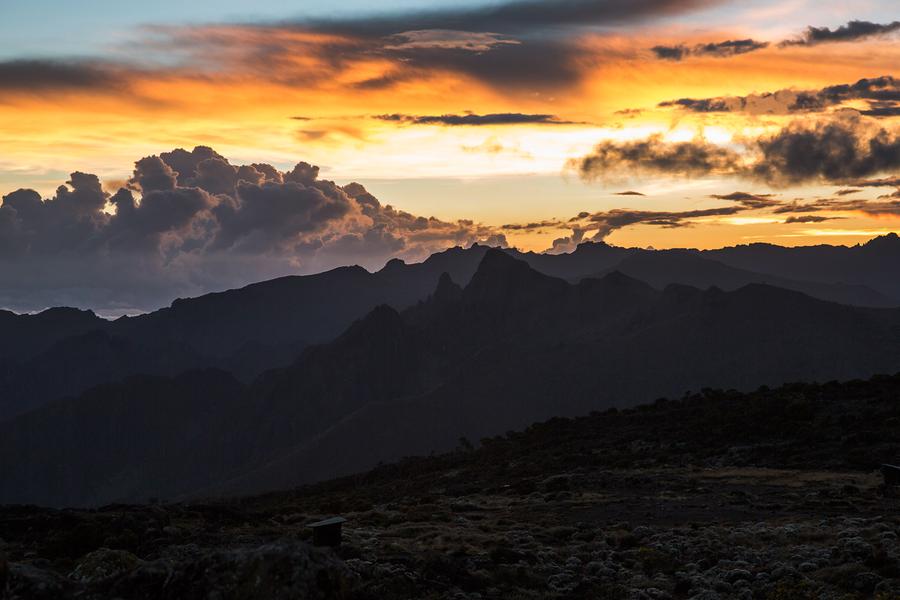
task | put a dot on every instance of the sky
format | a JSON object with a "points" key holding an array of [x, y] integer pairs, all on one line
{"points": [[537, 124]]}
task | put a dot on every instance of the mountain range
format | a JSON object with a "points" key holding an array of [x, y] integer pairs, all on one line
{"points": [[470, 343], [63, 352]]}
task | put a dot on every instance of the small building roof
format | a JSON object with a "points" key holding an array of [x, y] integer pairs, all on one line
{"points": [[327, 522]]}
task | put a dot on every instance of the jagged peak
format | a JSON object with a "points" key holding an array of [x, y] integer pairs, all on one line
{"points": [[500, 277], [381, 320], [620, 279], [447, 289], [393, 265], [888, 240], [495, 258], [65, 311]]}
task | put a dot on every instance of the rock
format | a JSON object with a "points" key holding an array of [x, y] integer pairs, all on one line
{"points": [[866, 582], [104, 564], [30, 583], [738, 575], [855, 547], [556, 483], [280, 570]]}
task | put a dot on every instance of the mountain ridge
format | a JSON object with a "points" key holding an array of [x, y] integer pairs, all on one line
{"points": [[513, 347]]}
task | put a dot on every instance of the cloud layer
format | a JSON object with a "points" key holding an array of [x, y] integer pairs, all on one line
{"points": [[190, 222], [882, 94], [852, 31], [472, 119], [712, 49]]}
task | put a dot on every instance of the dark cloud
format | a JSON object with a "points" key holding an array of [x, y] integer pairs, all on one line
{"points": [[515, 16], [190, 222], [601, 224], [654, 155], [810, 219], [605, 222], [44, 75], [881, 93], [847, 191], [883, 109], [519, 45], [841, 149], [749, 200], [884, 206], [797, 207], [474, 119], [629, 193], [885, 182], [713, 49], [539, 63], [531, 225], [852, 31], [838, 150]]}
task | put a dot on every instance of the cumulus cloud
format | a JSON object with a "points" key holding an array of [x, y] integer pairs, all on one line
{"points": [[189, 222], [837, 150], [882, 94], [852, 31], [712, 49], [841, 149]]}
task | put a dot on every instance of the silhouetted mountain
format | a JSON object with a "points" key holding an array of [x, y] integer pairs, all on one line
{"points": [[513, 347], [663, 267], [24, 336], [244, 331], [79, 362], [266, 325], [875, 264]]}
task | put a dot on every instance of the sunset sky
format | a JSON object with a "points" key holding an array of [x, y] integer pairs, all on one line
{"points": [[538, 124]]}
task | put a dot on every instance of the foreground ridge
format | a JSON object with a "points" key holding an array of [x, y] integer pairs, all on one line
{"points": [[771, 494]]}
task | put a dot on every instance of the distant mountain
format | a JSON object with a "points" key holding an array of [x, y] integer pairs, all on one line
{"points": [[24, 336], [875, 264], [663, 267], [245, 331], [63, 352], [512, 347], [59, 352]]}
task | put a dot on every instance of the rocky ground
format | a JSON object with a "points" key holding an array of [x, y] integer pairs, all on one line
{"points": [[771, 495]]}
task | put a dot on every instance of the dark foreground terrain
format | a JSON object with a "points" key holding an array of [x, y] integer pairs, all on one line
{"points": [[771, 495]]}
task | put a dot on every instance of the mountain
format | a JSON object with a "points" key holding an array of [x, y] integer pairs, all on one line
{"points": [[24, 336], [63, 352], [247, 331], [663, 267], [512, 347], [874, 264]]}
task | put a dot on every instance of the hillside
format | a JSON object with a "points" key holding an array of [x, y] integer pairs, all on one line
{"points": [[512, 347], [770, 494]]}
